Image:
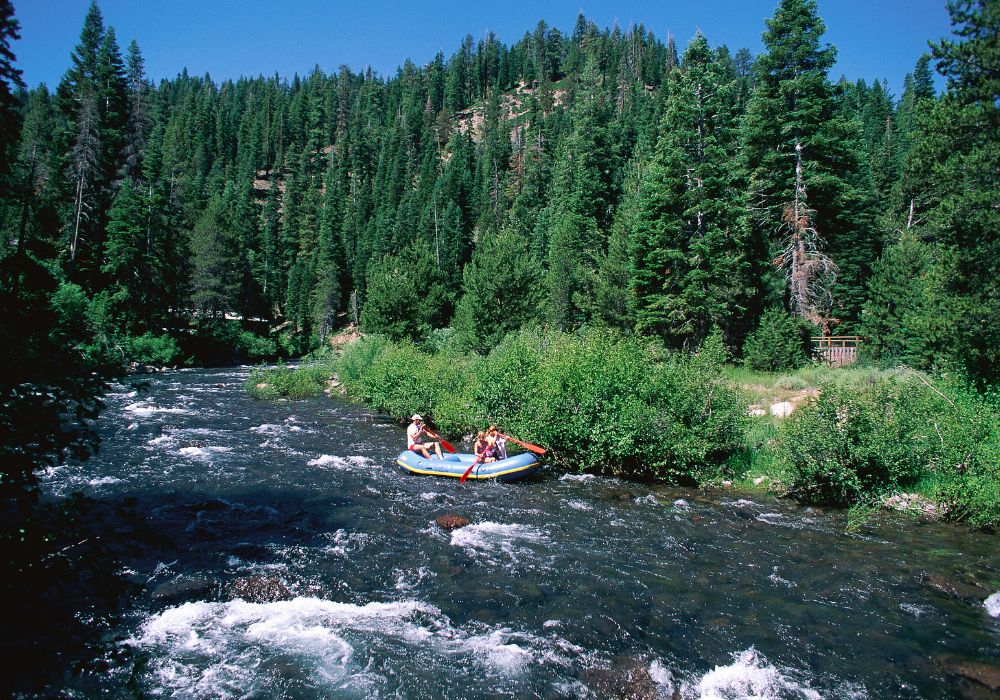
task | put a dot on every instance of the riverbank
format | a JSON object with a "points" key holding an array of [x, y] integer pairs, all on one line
{"points": [[854, 438]]}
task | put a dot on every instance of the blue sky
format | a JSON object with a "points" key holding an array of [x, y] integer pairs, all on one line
{"points": [[229, 38]]}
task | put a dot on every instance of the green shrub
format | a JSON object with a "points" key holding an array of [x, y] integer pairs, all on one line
{"points": [[287, 382], [598, 401], [854, 442], [791, 383], [152, 349], [780, 343], [255, 348]]}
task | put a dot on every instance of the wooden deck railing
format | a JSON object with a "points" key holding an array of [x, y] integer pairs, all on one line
{"points": [[836, 350]]}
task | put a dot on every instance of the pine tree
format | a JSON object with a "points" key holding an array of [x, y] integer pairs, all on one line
{"points": [[501, 292], [212, 250], [690, 268], [405, 296], [10, 78]]}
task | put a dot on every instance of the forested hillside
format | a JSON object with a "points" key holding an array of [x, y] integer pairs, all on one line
{"points": [[601, 177]]}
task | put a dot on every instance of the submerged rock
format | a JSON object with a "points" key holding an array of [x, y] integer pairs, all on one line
{"points": [[627, 678], [955, 589], [982, 675], [183, 588], [259, 589], [451, 522]]}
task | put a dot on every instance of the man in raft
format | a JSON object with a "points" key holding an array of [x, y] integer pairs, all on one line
{"points": [[413, 441]]}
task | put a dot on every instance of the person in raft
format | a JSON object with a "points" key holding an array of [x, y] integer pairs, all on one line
{"points": [[499, 442], [413, 441], [484, 448]]}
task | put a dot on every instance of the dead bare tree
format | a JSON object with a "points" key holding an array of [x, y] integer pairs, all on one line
{"points": [[810, 273]]}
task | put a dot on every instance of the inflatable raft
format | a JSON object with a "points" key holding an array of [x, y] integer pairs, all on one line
{"points": [[514, 467]]}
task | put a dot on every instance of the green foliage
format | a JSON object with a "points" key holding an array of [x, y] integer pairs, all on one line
{"points": [[502, 286], [779, 343], [599, 402], [406, 296], [288, 382], [851, 443], [149, 349]]}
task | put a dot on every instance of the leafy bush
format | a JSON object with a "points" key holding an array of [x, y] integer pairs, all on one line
{"points": [[780, 343], [598, 401], [255, 348], [288, 382], [869, 439], [152, 349], [791, 383]]}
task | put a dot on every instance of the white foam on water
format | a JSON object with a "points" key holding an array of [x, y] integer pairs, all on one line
{"points": [[681, 504], [202, 452], [578, 505], [433, 495], [351, 462], [577, 477], [408, 580], [661, 676], [267, 429], [161, 440], [213, 650], [144, 409], [342, 542], [649, 500], [992, 605], [913, 609], [741, 502], [487, 539], [750, 677], [218, 650], [549, 624]]}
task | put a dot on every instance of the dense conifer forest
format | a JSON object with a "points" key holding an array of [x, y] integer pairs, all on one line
{"points": [[596, 178]]}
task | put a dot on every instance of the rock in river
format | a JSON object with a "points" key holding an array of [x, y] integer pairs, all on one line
{"points": [[451, 522]]}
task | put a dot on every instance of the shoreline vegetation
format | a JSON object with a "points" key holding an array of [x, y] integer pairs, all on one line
{"points": [[859, 438]]}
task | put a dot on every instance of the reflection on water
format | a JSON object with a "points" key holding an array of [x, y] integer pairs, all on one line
{"points": [[561, 586]]}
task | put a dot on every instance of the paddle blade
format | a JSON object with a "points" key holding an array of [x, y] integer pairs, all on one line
{"points": [[469, 470], [527, 445]]}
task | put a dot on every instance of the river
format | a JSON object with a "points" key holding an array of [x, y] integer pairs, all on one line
{"points": [[562, 586]]}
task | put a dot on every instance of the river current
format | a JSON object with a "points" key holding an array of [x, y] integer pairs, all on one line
{"points": [[562, 586]]}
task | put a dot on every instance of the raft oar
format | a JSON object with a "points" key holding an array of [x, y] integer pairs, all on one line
{"points": [[471, 467], [527, 445], [444, 443]]}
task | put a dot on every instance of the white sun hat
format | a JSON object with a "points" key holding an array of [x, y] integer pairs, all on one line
{"points": [[416, 416]]}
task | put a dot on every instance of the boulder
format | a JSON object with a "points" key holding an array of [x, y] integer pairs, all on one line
{"points": [[259, 589], [451, 522], [782, 409]]}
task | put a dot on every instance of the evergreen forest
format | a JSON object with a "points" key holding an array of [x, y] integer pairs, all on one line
{"points": [[590, 180]]}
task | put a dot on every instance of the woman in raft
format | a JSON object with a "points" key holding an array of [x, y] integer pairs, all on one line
{"points": [[485, 448]]}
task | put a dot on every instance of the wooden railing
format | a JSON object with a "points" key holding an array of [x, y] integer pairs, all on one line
{"points": [[836, 350]]}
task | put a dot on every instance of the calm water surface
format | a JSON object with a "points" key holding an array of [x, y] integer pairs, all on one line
{"points": [[563, 586]]}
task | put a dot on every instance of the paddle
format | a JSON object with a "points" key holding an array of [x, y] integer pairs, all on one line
{"points": [[444, 443], [471, 467], [527, 445]]}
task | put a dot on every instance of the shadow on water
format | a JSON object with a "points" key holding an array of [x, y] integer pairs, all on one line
{"points": [[230, 548]]}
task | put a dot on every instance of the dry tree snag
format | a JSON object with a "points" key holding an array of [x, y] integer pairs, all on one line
{"points": [[809, 271]]}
